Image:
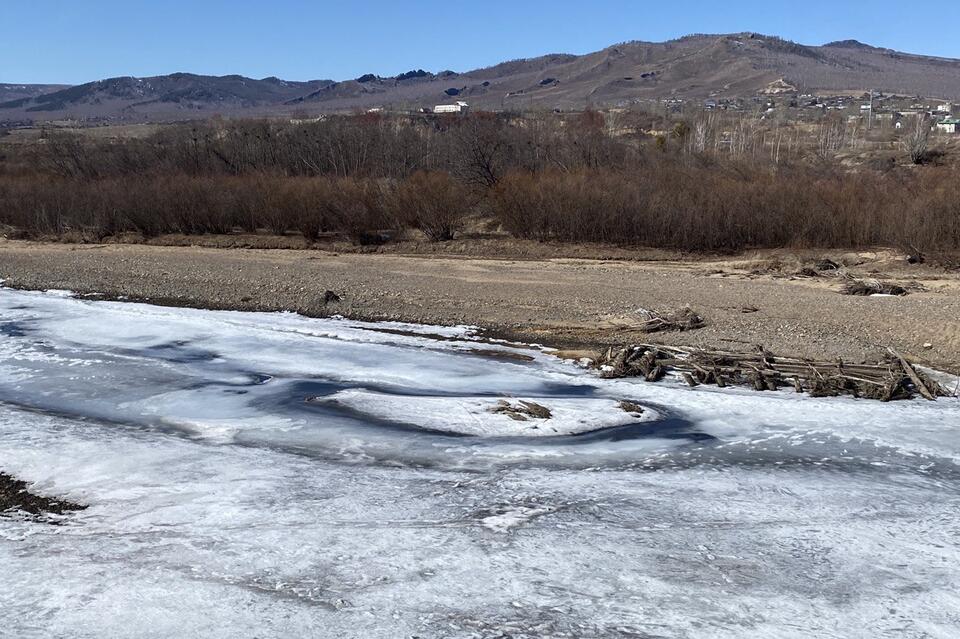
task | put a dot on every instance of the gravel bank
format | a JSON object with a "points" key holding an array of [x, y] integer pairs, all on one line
{"points": [[15, 497], [572, 303]]}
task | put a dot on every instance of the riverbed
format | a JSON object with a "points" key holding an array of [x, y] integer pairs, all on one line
{"points": [[268, 474]]}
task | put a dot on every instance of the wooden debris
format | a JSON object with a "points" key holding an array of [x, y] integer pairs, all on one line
{"points": [[912, 374], [892, 379], [871, 287], [684, 319], [826, 265]]}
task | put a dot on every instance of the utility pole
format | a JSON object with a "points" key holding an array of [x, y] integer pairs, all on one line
{"points": [[870, 115]]}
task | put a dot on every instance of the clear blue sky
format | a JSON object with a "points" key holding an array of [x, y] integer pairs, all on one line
{"points": [[75, 41]]}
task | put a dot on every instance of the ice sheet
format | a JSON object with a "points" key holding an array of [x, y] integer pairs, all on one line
{"points": [[225, 501]]}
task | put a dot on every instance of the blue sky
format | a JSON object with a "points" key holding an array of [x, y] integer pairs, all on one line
{"points": [[81, 40]]}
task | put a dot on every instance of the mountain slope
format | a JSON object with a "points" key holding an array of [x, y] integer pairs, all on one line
{"points": [[10, 92], [160, 95], [735, 65]]}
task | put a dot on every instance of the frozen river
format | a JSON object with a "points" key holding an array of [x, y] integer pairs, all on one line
{"points": [[269, 475]]}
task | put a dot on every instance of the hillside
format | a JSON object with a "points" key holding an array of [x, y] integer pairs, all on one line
{"points": [[738, 65], [9, 92], [160, 96]]}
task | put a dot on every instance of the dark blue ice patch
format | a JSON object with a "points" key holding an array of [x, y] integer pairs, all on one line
{"points": [[179, 352], [15, 328]]}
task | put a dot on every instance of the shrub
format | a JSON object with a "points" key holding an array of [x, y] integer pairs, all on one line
{"points": [[710, 208], [358, 209], [434, 203], [587, 177]]}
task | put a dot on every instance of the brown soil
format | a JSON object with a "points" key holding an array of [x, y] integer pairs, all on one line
{"points": [[538, 296]]}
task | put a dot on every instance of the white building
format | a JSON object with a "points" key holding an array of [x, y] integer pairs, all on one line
{"points": [[458, 107], [950, 125]]}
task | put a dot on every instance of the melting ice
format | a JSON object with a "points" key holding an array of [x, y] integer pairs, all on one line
{"points": [[268, 474]]}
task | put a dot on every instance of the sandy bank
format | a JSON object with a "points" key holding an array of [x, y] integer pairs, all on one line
{"points": [[746, 300]]}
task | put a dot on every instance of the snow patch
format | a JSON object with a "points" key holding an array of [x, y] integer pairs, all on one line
{"points": [[505, 519], [477, 416]]}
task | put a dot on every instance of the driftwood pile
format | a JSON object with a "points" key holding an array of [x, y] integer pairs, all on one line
{"points": [[851, 285], [684, 319], [872, 287], [894, 378]]}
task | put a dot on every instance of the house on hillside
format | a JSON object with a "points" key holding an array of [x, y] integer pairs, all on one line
{"points": [[949, 125], [458, 107]]}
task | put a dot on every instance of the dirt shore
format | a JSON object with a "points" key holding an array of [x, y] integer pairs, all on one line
{"points": [[15, 497], [758, 298]]}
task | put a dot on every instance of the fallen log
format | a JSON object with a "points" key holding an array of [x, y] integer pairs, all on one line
{"points": [[912, 374]]}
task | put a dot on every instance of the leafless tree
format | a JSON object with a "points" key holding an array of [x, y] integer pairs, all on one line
{"points": [[917, 140]]}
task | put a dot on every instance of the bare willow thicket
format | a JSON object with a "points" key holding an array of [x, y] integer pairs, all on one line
{"points": [[917, 140], [706, 185]]}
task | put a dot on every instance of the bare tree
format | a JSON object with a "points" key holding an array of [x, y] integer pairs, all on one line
{"points": [[704, 131], [831, 137], [917, 141]]}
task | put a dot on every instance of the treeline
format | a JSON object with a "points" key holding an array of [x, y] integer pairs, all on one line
{"points": [[363, 209], [371, 177], [713, 207], [477, 150]]}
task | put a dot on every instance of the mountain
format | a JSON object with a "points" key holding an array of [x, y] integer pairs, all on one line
{"points": [[10, 92], [161, 96], [697, 66]]}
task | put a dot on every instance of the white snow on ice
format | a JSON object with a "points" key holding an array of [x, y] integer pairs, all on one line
{"points": [[272, 475], [477, 416]]}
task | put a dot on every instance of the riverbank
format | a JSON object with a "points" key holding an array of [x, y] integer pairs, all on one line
{"points": [[759, 298], [15, 497]]}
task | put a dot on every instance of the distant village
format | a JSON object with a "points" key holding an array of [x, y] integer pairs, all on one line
{"points": [[779, 101], [874, 109]]}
